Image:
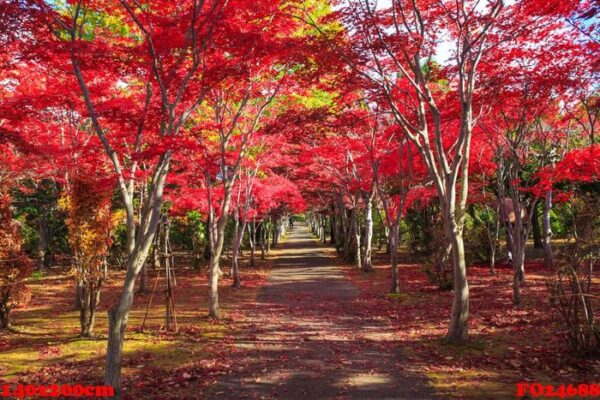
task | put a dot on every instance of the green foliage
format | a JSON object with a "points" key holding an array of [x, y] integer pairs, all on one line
{"points": [[189, 233], [37, 275], [94, 23], [317, 98], [36, 209], [479, 222], [314, 12], [186, 230], [419, 231]]}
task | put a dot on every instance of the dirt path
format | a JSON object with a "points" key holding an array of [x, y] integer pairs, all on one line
{"points": [[305, 339]]}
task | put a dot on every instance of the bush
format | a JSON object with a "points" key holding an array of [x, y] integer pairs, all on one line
{"points": [[439, 266], [572, 291], [15, 266]]}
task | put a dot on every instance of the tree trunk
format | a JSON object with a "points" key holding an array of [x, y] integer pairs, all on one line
{"points": [[207, 239], [78, 294], [4, 317], [547, 227], [535, 226], [393, 239], [252, 242], [347, 233], [332, 225], [356, 231], [274, 234], [213, 289], [519, 265], [118, 315], [42, 242], [144, 280], [237, 242], [218, 232], [87, 314], [458, 329], [494, 237], [368, 244], [261, 236]]}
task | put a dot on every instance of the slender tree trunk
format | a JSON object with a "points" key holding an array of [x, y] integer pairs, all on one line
{"points": [[207, 239], [42, 242], [393, 240], [517, 275], [535, 226], [235, 272], [88, 313], [218, 232], [235, 244], [144, 273], [547, 227], [252, 242], [367, 263], [332, 226], [356, 231], [260, 234], [118, 315], [494, 237], [347, 232]]}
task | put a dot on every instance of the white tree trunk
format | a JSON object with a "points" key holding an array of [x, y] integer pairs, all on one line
{"points": [[547, 228], [367, 263]]}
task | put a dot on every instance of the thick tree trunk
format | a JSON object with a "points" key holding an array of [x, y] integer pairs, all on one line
{"points": [[273, 233], [368, 244], [395, 287], [4, 318], [78, 294], [213, 289], [458, 328], [547, 227], [118, 317], [144, 280]]}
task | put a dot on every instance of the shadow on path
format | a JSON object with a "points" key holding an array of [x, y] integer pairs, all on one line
{"points": [[303, 338]]}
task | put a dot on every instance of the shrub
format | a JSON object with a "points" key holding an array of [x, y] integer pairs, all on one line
{"points": [[572, 290], [15, 266]]}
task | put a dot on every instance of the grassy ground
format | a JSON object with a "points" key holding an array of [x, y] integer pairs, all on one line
{"points": [[43, 345], [507, 345]]}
